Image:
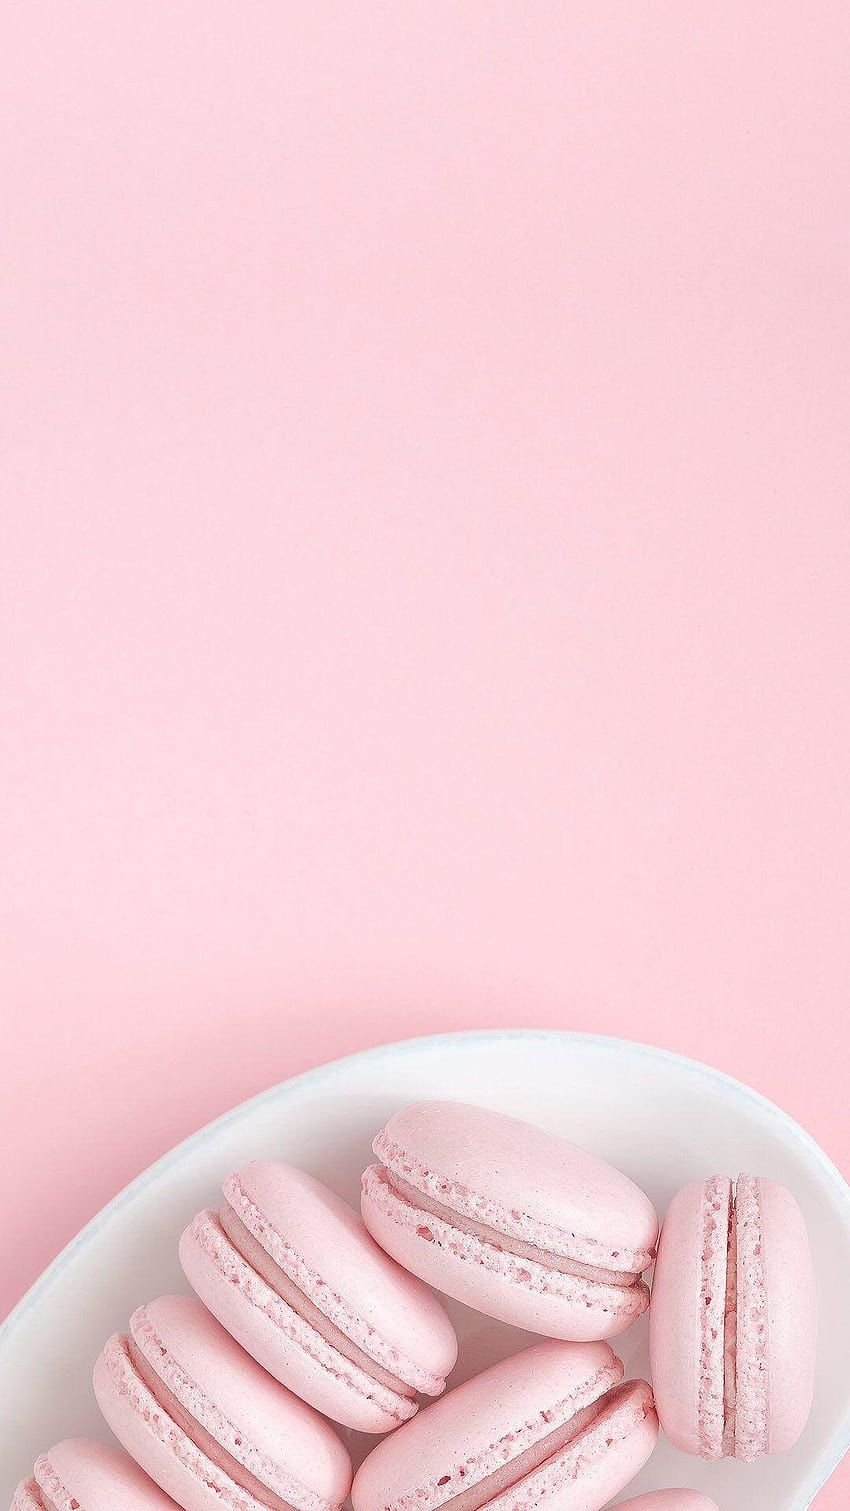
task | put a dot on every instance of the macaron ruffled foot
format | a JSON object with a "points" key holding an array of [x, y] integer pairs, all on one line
{"points": [[553, 1426], [291, 1272], [80, 1475], [510, 1219], [733, 1321], [212, 1429]]}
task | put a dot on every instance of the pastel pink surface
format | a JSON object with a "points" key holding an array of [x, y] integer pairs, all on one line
{"points": [[276, 1437], [783, 1325], [424, 551], [668, 1500], [508, 1165], [494, 1175], [90, 1476], [792, 1317], [675, 1320], [326, 1251], [474, 1432]]}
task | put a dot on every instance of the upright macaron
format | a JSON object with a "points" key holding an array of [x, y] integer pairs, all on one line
{"points": [[553, 1427], [668, 1500], [510, 1219], [291, 1272], [733, 1323], [80, 1475], [208, 1424]]}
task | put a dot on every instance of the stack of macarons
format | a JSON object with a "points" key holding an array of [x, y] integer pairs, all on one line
{"points": [[303, 1313]]}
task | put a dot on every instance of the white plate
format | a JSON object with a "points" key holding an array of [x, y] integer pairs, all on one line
{"points": [[662, 1119]]}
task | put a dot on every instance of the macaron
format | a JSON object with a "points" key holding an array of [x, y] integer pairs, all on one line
{"points": [[87, 1476], [511, 1219], [553, 1426], [208, 1424], [291, 1272], [668, 1500], [733, 1322]]}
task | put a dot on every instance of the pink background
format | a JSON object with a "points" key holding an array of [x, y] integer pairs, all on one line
{"points": [[425, 547]]}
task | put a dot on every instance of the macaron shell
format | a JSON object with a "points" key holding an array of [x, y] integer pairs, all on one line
{"points": [[508, 1410], [338, 1255], [584, 1477], [274, 1420], [285, 1344], [25, 1497], [668, 1500], [183, 1471], [461, 1433], [674, 1320], [94, 1476], [791, 1305], [496, 1283], [530, 1173], [598, 1482], [278, 1437], [792, 1314]]}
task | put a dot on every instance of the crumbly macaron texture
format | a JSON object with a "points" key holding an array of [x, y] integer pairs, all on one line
{"points": [[495, 1281], [716, 1218], [767, 1362], [26, 1496], [598, 1464], [470, 1433], [232, 1397], [522, 1181], [170, 1455], [479, 1432], [279, 1338], [752, 1363], [79, 1474], [322, 1245]]}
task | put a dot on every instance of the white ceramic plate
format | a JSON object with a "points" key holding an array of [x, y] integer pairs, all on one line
{"points": [[662, 1119]]}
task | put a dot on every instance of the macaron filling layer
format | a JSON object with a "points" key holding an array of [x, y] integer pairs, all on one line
{"points": [[330, 1313], [733, 1388], [547, 1259], [403, 1205], [48, 1488], [513, 1470], [198, 1435], [527, 1237], [717, 1335], [214, 1446], [207, 1234], [257, 1256]]}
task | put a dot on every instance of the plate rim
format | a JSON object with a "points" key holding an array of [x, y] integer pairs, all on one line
{"points": [[829, 1173]]}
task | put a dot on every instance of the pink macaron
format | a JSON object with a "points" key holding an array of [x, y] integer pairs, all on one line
{"points": [[289, 1269], [668, 1500], [79, 1475], [514, 1221], [553, 1426], [208, 1424], [733, 1322]]}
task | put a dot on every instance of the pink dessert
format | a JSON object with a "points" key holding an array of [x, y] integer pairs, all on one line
{"points": [[78, 1475], [208, 1424], [513, 1220], [733, 1323], [668, 1500], [291, 1272], [554, 1425]]}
